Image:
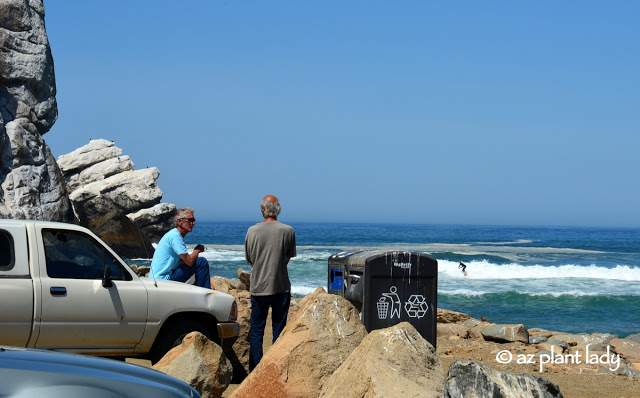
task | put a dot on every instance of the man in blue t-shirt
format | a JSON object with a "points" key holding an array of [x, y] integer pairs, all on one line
{"points": [[171, 261]]}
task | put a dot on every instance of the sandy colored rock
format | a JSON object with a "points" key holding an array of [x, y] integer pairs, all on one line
{"points": [[557, 349], [244, 277], [505, 333], [322, 334], [221, 284], [541, 332], [200, 363], [448, 316], [453, 329], [240, 359], [627, 349], [391, 362]]}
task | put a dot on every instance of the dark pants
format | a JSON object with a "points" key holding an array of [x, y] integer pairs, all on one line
{"points": [[200, 268], [279, 304]]}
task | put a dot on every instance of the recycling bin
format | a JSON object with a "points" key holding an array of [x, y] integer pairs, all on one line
{"points": [[388, 287]]}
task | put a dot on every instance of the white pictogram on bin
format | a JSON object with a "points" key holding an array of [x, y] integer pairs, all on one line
{"points": [[387, 300], [416, 306], [383, 308]]}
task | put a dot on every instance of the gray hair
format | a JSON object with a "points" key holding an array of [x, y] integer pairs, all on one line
{"points": [[182, 211], [271, 209]]}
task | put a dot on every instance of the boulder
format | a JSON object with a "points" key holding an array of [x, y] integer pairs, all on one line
{"points": [[392, 362], [505, 333], [537, 339], [28, 86], [142, 270], [452, 329], [537, 332], [448, 316], [627, 349], [558, 343], [244, 277], [240, 357], [634, 337], [550, 347], [31, 183], [155, 221], [123, 236], [471, 379], [316, 341], [94, 152], [125, 192], [200, 363], [99, 171], [102, 181], [595, 340], [221, 284]]}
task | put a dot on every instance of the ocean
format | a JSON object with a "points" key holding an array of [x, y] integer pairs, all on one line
{"points": [[566, 279]]}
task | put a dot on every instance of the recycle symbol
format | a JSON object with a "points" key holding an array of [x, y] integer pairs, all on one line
{"points": [[416, 306]]}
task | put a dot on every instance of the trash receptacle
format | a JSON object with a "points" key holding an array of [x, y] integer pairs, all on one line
{"points": [[388, 287]]}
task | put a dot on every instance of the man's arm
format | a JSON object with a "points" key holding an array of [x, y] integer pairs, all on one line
{"points": [[190, 259], [247, 256]]}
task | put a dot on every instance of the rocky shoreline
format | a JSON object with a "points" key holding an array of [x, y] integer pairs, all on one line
{"points": [[325, 352]]}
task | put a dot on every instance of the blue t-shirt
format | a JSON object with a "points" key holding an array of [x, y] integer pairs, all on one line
{"points": [[166, 258]]}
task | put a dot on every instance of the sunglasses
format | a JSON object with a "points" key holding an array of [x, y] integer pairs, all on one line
{"points": [[189, 219]]}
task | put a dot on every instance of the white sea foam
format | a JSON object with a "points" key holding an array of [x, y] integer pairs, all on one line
{"points": [[303, 290], [568, 292], [213, 255], [486, 270]]}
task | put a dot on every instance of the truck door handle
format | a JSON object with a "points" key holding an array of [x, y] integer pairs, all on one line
{"points": [[58, 291]]}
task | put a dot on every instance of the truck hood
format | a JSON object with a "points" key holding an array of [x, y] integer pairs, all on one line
{"points": [[167, 297]]}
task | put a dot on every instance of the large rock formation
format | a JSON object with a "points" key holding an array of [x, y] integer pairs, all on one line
{"points": [[118, 203], [31, 184]]}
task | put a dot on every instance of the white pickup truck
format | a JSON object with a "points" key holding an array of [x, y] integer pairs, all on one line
{"points": [[62, 288]]}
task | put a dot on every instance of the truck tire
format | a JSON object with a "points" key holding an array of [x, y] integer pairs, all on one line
{"points": [[172, 336]]}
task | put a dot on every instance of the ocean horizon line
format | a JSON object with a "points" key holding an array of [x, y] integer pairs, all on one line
{"points": [[436, 224]]}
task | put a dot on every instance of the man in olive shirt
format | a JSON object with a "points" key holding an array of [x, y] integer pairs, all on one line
{"points": [[269, 245]]}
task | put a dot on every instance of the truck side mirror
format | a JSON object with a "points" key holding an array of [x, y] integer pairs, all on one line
{"points": [[106, 279]]}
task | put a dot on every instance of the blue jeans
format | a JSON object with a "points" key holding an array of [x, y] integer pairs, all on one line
{"points": [[200, 268], [279, 304]]}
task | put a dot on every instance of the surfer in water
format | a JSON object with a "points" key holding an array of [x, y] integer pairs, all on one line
{"points": [[463, 267]]}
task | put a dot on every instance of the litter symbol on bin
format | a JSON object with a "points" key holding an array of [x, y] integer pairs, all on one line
{"points": [[417, 306], [387, 300]]}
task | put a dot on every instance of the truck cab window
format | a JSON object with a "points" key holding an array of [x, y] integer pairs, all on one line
{"points": [[75, 255], [7, 259]]}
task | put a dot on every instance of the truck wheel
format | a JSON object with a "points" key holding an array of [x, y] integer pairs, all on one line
{"points": [[173, 335]]}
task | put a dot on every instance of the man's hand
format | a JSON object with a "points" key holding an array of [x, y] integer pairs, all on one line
{"points": [[190, 259]]}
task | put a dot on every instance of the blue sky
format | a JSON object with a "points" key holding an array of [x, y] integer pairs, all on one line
{"points": [[457, 112]]}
